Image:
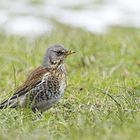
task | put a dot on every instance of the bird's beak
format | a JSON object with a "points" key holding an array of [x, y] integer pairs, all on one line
{"points": [[69, 52]]}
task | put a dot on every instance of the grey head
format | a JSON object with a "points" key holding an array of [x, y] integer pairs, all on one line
{"points": [[55, 56]]}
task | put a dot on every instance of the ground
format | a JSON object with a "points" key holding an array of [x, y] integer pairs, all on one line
{"points": [[102, 98]]}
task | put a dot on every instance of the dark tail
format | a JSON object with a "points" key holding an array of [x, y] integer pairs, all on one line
{"points": [[12, 103], [4, 104]]}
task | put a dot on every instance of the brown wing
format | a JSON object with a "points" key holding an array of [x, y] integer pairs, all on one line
{"points": [[33, 79]]}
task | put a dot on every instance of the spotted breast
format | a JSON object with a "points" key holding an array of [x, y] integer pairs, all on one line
{"points": [[49, 91]]}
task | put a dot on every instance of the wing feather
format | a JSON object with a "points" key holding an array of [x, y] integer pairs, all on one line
{"points": [[34, 78]]}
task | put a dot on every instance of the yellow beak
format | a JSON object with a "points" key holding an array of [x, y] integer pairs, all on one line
{"points": [[69, 52]]}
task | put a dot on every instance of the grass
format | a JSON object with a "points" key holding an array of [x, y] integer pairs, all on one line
{"points": [[104, 64]]}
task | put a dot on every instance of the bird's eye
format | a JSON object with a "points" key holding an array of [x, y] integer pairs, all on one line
{"points": [[60, 52]]}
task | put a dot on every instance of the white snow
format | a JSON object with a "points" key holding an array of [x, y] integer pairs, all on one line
{"points": [[19, 17]]}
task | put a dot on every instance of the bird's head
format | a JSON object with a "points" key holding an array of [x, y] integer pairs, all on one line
{"points": [[55, 56]]}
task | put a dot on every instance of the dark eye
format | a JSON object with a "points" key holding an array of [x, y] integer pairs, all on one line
{"points": [[60, 53]]}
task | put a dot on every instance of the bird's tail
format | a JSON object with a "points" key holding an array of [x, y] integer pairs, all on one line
{"points": [[2, 106], [12, 103]]}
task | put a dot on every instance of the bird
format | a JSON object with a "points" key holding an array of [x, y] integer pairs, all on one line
{"points": [[45, 85]]}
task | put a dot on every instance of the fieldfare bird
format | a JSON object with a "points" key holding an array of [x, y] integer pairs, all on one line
{"points": [[45, 85]]}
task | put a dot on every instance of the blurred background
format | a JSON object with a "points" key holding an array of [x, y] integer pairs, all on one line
{"points": [[32, 18]]}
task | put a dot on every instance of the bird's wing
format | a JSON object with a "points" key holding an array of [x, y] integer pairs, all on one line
{"points": [[34, 78]]}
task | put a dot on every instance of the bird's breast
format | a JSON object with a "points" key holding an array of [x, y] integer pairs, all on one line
{"points": [[62, 85], [56, 83]]}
